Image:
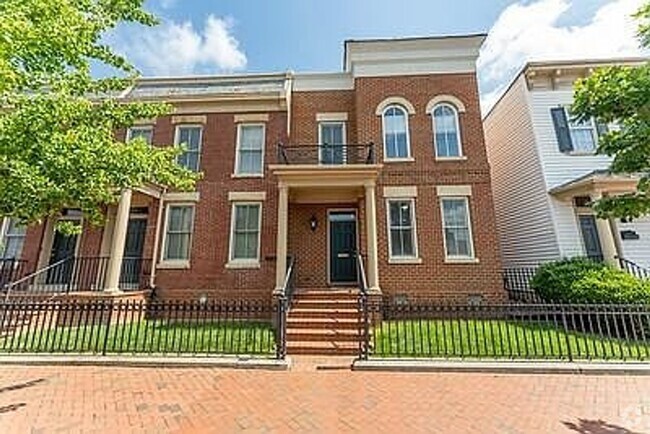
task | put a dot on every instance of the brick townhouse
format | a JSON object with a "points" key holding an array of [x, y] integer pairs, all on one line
{"points": [[386, 158]]}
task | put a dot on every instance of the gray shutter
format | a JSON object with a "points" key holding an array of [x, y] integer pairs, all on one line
{"points": [[562, 132]]}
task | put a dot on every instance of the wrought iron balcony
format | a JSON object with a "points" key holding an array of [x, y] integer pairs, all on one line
{"points": [[326, 155]]}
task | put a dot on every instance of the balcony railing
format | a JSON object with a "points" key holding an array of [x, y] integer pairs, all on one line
{"points": [[81, 274], [326, 155]]}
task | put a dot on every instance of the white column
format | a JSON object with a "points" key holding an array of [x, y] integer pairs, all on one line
{"points": [[114, 268], [281, 243], [606, 235], [371, 228]]}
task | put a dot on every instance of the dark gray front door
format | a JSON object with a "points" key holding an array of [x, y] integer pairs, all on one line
{"points": [[343, 247], [63, 247], [590, 237], [132, 262]]}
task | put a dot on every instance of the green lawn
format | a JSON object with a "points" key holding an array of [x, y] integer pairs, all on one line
{"points": [[497, 339], [147, 336]]}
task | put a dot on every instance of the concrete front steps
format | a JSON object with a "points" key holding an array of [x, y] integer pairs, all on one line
{"points": [[324, 322]]}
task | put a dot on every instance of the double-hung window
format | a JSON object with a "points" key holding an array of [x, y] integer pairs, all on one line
{"points": [[446, 131], [401, 227], [457, 228], [245, 232], [332, 140], [190, 137], [144, 132], [396, 134], [583, 134], [250, 150], [573, 136], [178, 234], [12, 240]]}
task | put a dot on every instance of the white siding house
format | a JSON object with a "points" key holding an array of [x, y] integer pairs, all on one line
{"points": [[545, 172]]}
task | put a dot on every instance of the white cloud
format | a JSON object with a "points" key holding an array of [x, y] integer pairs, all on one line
{"points": [[179, 49], [167, 4], [526, 32]]}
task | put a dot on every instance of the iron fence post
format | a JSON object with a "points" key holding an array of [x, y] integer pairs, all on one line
{"points": [[108, 327], [281, 333], [565, 325]]}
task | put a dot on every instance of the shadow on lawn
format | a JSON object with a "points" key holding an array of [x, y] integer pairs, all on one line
{"points": [[585, 426]]}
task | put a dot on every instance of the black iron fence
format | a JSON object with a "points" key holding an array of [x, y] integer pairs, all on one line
{"points": [[140, 327], [326, 154], [82, 273], [11, 270], [422, 328], [633, 268], [516, 282]]}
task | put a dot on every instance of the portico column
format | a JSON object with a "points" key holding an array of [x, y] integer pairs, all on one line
{"points": [[371, 228], [281, 246], [606, 235], [114, 268]]}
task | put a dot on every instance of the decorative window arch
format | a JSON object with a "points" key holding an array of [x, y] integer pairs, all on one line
{"points": [[457, 103], [395, 128], [446, 131], [395, 100]]}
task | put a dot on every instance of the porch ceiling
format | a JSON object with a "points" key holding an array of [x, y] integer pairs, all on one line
{"points": [[597, 182], [319, 177]]}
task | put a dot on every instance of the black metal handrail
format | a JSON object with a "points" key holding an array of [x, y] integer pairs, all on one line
{"points": [[81, 273], [633, 268], [325, 154], [284, 300], [364, 329], [11, 269]]}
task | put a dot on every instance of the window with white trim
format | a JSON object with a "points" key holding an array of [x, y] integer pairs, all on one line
{"points": [[396, 134], [584, 135], [402, 239], [12, 240], [331, 137], [245, 232], [446, 131], [190, 137], [250, 149], [178, 232], [142, 131], [457, 228]]}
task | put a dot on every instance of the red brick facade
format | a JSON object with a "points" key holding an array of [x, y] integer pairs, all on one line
{"points": [[208, 274]]}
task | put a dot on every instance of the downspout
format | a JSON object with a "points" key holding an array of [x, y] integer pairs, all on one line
{"points": [[156, 241]]}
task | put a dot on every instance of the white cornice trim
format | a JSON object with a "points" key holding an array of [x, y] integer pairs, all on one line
{"points": [[323, 81]]}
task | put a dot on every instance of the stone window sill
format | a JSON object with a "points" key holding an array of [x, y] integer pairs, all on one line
{"points": [[173, 265], [236, 265], [461, 158], [461, 261], [399, 261]]}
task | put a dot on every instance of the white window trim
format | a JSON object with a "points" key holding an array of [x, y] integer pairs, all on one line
{"points": [[200, 150], [320, 140], [415, 258], [236, 173], [176, 263], [461, 155], [409, 156], [458, 259], [244, 263], [130, 130], [594, 134], [4, 228]]}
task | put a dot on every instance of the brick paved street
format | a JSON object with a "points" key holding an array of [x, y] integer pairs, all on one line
{"points": [[119, 400]]}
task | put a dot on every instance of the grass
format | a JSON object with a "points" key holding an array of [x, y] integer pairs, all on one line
{"points": [[146, 336], [498, 339]]}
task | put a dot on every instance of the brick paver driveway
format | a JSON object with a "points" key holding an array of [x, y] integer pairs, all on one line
{"points": [[120, 400]]}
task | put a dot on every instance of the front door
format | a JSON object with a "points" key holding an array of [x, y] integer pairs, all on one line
{"points": [[63, 247], [133, 248], [590, 237], [343, 247]]}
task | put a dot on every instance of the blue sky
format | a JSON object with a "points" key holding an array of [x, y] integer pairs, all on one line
{"points": [[223, 36]]}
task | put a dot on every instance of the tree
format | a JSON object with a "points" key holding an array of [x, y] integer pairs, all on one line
{"points": [[621, 95], [58, 146]]}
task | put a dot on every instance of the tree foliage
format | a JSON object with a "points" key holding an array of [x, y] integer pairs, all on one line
{"points": [[620, 95], [58, 146]]}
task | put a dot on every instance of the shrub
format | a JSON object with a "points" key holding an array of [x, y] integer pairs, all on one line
{"points": [[580, 280]]}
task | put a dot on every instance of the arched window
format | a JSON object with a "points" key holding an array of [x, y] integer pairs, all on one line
{"points": [[396, 133], [446, 131]]}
